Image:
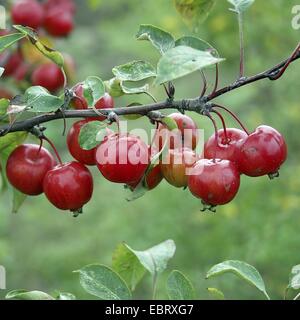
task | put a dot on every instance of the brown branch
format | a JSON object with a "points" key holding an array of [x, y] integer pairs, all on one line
{"points": [[199, 105]]}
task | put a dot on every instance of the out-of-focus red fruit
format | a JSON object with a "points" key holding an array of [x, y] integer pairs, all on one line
{"points": [[48, 76], [67, 5], [12, 63], [28, 13], [58, 22]]}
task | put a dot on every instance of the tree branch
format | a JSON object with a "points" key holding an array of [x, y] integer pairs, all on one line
{"points": [[198, 105]]}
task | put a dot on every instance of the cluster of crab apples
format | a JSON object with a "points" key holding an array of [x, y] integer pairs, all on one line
{"points": [[213, 175], [24, 64]]}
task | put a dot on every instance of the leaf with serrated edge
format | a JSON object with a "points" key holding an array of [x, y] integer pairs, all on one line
{"points": [[294, 281], [90, 135], [50, 53], [103, 282], [93, 90], [179, 287], [134, 71], [38, 99], [28, 295], [198, 44], [9, 40], [181, 61], [127, 265], [242, 270], [161, 40], [155, 259]]}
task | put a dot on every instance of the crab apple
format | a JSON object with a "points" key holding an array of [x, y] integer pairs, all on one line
{"points": [[28, 13], [59, 22], [216, 182], [80, 103], [153, 177], [176, 165], [21, 72], [225, 149], [86, 157], [48, 76], [185, 136], [263, 152], [12, 63], [27, 166], [122, 158], [67, 5], [69, 186]]}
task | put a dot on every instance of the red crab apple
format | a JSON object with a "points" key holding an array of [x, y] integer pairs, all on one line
{"points": [[216, 182], [69, 186], [59, 22], [48, 76], [28, 13], [122, 158], [263, 152], [79, 103], [27, 166], [225, 149]]}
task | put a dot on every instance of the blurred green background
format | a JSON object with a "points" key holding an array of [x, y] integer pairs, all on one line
{"points": [[41, 246]]}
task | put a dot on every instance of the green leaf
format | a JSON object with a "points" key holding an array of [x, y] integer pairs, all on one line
{"points": [[194, 12], [93, 90], [4, 104], [50, 53], [216, 294], [65, 296], [197, 44], [18, 200], [155, 259], [28, 295], [9, 40], [92, 134], [181, 61], [103, 283], [38, 99], [113, 87], [128, 266], [179, 287], [294, 281], [242, 270], [134, 71], [161, 40], [241, 5], [132, 88]]}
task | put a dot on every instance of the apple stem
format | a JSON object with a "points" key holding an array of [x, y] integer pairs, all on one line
{"points": [[54, 149], [233, 115], [204, 84], [217, 80], [223, 124], [216, 135]]}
